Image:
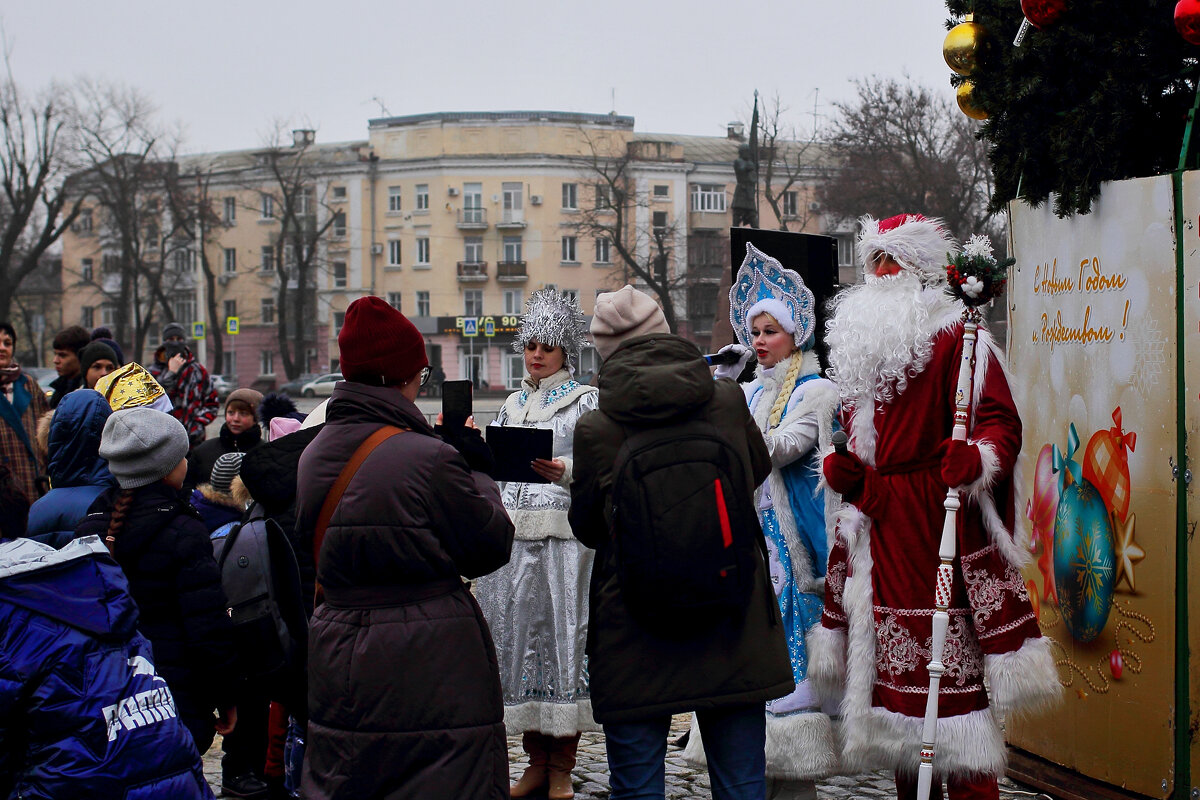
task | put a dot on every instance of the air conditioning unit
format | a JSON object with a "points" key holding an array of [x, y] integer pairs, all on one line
{"points": [[452, 191], [377, 248], [814, 206], [535, 199]]}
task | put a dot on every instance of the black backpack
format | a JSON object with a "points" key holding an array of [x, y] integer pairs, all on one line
{"points": [[262, 589], [685, 535]]}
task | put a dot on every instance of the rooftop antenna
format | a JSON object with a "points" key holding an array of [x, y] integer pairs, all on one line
{"points": [[383, 109], [816, 96]]}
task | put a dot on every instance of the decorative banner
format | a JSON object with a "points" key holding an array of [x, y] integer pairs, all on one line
{"points": [[1091, 327]]}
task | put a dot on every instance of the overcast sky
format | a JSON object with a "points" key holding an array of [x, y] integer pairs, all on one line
{"points": [[227, 71]]}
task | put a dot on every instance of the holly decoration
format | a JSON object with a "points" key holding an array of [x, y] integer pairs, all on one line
{"points": [[974, 276], [1043, 13], [1187, 20]]}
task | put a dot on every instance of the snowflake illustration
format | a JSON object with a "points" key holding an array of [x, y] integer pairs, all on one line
{"points": [[1149, 346], [1092, 566]]}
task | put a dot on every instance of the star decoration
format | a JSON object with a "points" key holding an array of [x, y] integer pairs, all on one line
{"points": [[1128, 552]]}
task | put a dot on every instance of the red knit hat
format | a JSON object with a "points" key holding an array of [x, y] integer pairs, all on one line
{"points": [[378, 345]]}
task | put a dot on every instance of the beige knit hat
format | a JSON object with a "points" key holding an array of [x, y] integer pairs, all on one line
{"points": [[622, 315]]}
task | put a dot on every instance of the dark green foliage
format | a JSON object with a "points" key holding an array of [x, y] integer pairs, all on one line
{"points": [[1101, 95]]}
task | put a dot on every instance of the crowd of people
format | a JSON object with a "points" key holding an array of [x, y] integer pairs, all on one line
{"points": [[689, 545]]}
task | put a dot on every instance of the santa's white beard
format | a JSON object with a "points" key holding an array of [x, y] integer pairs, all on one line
{"points": [[880, 334]]}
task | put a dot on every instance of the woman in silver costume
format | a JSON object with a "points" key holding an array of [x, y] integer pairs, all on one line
{"points": [[537, 605]]}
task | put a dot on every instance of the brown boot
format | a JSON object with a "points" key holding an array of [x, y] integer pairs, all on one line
{"points": [[534, 779], [562, 761]]}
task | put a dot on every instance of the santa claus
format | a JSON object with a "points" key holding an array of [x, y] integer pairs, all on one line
{"points": [[895, 343]]}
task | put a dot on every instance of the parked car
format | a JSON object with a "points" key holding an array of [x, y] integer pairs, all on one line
{"points": [[321, 386], [223, 386], [43, 375], [294, 387]]}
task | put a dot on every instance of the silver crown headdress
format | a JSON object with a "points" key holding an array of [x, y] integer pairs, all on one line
{"points": [[762, 284], [552, 319]]}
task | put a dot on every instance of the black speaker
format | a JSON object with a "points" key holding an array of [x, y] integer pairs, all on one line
{"points": [[813, 256]]}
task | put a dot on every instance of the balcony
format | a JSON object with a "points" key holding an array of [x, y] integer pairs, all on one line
{"points": [[511, 271], [472, 272], [472, 219], [511, 220]]}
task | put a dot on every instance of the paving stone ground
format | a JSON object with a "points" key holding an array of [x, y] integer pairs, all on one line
{"points": [[683, 780]]}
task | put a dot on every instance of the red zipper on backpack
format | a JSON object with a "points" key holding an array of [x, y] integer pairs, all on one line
{"points": [[723, 514]]}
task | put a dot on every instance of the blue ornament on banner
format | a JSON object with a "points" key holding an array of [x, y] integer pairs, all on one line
{"points": [[1084, 558]]}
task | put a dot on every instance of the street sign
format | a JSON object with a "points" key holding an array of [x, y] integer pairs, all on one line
{"points": [[197, 330], [231, 326], [470, 326], [489, 327]]}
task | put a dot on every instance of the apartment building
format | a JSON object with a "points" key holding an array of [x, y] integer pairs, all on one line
{"points": [[453, 218]]}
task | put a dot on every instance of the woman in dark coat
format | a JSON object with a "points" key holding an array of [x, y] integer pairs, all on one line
{"points": [[164, 551], [404, 688], [22, 404]]}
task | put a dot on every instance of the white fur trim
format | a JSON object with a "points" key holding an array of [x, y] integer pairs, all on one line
{"points": [[531, 525], [1024, 681], [826, 661], [799, 746], [533, 410], [776, 309], [568, 472], [966, 744], [551, 719]]}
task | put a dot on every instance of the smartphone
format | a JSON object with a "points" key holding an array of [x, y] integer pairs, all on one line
{"points": [[456, 403], [172, 349]]}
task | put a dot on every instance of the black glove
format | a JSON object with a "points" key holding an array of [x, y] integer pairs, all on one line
{"points": [[470, 445]]}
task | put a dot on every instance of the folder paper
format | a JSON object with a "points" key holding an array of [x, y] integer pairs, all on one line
{"points": [[513, 448]]}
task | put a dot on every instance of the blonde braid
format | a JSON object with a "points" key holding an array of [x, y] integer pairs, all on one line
{"points": [[785, 389]]}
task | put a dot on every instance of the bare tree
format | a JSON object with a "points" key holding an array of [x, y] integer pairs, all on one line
{"points": [[787, 165], [35, 210], [900, 147], [644, 253], [290, 187]]}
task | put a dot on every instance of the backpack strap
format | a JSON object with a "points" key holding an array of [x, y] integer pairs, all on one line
{"points": [[339, 488]]}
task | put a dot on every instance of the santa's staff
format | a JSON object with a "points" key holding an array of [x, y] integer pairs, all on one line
{"points": [[975, 278]]}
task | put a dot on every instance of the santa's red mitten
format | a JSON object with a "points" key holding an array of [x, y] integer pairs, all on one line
{"points": [[962, 463], [844, 472]]}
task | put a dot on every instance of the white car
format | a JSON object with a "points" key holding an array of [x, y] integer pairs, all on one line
{"points": [[321, 385]]}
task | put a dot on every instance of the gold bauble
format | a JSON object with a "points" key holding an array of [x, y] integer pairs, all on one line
{"points": [[963, 45], [966, 101]]}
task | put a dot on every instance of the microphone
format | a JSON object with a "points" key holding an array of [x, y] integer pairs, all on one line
{"points": [[721, 359], [839, 441]]}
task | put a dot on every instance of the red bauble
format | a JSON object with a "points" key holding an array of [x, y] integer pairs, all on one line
{"points": [[1044, 13], [1116, 663], [1187, 20]]}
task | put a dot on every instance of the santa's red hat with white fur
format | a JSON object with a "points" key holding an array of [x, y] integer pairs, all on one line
{"points": [[918, 244]]}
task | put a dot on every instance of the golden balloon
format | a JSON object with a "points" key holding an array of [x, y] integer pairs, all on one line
{"points": [[963, 45], [966, 101]]}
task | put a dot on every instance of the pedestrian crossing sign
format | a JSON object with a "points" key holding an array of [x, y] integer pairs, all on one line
{"points": [[231, 326], [197, 330], [470, 326]]}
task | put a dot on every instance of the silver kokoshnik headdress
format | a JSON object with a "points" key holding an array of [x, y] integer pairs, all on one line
{"points": [[553, 320], [762, 284]]}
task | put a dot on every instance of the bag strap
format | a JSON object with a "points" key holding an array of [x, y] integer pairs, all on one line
{"points": [[339, 487]]}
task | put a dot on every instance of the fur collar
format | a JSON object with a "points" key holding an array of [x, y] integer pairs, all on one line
{"points": [[541, 402]]}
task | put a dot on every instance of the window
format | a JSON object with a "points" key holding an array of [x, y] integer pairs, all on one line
{"points": [[267, 263], [339, 319], [339, 274], [85, 269], [303, 201], [230, 308], [394, 300], [473, 249], [708, 197], [473, 303], [513, 194], [423, 250], [393, 253], [422, 304], [568, 249], [603, 250], [660, 222], [571, 295], [395, 194], [662, 191], [230, 365], [87, 316], [514, 370], [339, 223], [472, 202], [570, 196], [339, 193], [512, 248], [845, 250], [108, 314], [289, 256], [182, 259], [229, 216], [603, 196], [83, 223], [791, 202], [268, 207], [266, 362], [266, 310], [230, 260], [514, 301], [185, 311], [110, 263], [702, 305], [422, 197]]}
